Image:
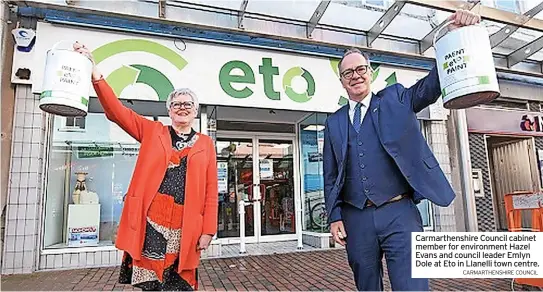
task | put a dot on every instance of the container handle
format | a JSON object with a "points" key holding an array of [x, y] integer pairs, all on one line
{"points": [[440, 29], [54, 47], [443, 26]]}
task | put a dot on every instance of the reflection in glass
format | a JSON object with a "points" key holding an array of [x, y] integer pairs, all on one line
{"points": [[277, 187], [347, 14], [295, 9], [312, 141], [508, 5], [380, 3], [235, 173]]}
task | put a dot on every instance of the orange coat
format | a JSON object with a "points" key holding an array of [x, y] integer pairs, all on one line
{"points": [[201, 201]]}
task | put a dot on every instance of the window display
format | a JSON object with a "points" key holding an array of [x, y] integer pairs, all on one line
{"points": [[90, 165], [89, 172]]}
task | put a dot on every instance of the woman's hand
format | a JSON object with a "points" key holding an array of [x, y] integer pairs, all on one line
{"points": [[82, 49], [204, 242]]}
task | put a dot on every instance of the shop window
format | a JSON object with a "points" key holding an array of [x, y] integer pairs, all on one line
{"points": [[87, 178], [73, 124], [312, 142]]}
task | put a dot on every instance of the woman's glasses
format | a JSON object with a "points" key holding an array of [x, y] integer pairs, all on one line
{"points": [[178, 104]]}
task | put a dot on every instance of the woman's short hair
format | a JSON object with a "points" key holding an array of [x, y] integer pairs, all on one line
{"points": [[183, 91]]}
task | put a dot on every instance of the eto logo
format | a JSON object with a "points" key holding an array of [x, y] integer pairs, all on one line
{"points": [[133, 74], [239, 72]]}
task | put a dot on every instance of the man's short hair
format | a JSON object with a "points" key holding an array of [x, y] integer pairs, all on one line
{"points": [[352, 51]]}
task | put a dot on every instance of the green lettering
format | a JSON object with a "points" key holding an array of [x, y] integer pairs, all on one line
{"points": [[226, 79], [268, 70]]}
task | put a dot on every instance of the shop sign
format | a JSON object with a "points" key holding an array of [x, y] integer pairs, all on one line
{"points": [[149, 68], [531, 123], [266, 169], [94, 152], [222, 176], [497, 121], [82, 236]]}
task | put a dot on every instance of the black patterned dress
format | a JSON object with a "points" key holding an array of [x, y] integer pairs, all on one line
{"points": [[157, 269]]}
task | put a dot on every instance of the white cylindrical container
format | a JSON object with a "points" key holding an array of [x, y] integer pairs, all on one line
{"points": [[66, 83], [466, 67]]}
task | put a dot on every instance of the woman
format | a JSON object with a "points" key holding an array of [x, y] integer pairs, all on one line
{"points": [[170, 210]]}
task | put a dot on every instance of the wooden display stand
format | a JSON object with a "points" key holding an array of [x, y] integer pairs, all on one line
{"points": [[515, 203]]}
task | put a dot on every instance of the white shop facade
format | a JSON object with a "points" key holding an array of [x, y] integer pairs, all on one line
{"points": [[265, 109]]}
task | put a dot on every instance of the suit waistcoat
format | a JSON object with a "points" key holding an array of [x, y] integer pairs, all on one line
{"points": [[371, 173]]}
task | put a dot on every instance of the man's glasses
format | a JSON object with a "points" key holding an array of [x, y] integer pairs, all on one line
{"points": [[360, 70], [185, 104]]}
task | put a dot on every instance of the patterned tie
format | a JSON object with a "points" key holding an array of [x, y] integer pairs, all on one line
{"points": [[357, 120]]}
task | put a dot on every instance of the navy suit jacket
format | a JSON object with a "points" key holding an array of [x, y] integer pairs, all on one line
{"points": [[393, 110]]}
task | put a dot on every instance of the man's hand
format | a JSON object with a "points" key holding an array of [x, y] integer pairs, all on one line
{"points": [[204, 242], [463, 18], [338, 232]]}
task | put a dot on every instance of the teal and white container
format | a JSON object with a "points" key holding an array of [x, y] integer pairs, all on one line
{"points": [[466, 67], [66, 83]]}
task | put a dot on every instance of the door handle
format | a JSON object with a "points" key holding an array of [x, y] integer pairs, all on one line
{"points": [[257, 189]]}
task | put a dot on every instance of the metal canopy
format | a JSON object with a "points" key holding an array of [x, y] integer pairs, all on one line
{"points": [[384, 21], [525, 52], [500, 36], [241, 12], [399, 27], [426, 42], [162, 8], [316, 17]]}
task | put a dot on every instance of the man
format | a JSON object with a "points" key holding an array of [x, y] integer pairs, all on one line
{"points": [[377, 167]]}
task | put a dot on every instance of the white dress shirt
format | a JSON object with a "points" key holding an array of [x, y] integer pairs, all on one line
{"points": [[363, 109]]}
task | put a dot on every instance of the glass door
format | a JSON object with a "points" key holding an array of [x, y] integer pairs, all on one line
{"points": [[276, 188], [235, 174], [266, 183]]}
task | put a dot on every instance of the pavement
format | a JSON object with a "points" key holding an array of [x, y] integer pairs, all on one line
{"points": [[301, 271]]}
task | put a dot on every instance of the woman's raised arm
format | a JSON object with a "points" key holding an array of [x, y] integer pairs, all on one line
{"points": [[131, 122]]}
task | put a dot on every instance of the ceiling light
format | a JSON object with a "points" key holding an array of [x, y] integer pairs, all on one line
{"points": [[316, 128]]}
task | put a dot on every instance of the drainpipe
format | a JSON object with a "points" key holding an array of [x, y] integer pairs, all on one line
{"points": [[465, 170]]}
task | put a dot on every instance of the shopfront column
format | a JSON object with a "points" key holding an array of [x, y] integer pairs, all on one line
{"points": [[444, 217], [25, 185]]}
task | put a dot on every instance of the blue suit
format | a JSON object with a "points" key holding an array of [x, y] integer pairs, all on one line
{"points": [[387, 157]]}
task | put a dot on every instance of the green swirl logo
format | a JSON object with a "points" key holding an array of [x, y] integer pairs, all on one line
{"points": [[133, 74], [287, 84]]}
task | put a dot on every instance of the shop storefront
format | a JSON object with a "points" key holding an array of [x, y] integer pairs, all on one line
{"points": [[265, 109], [506, 156]]}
